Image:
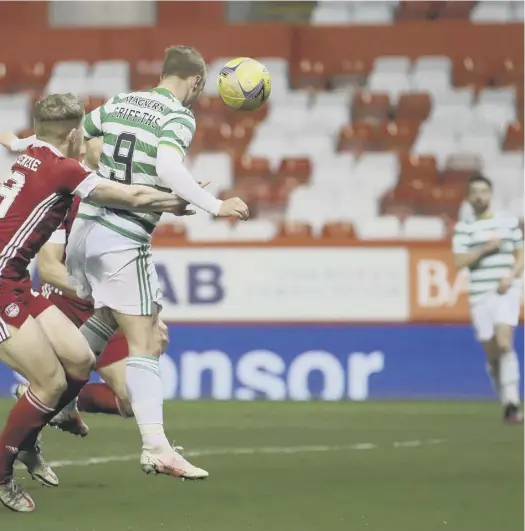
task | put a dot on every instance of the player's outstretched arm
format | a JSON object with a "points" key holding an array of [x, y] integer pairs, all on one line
{"points": [[173, 174], [11, 142], [134, 197]]}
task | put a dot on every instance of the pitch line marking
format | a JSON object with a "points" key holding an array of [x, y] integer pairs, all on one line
{"points": [[253, 451]]}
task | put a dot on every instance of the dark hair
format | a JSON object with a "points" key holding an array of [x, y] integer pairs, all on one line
{"points": [[478, 178], [183, 62]]}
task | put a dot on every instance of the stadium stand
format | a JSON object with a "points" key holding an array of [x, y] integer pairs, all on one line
{"points": [[376, 147]]}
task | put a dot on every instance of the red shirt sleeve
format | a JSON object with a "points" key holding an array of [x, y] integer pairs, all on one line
{"points": [[69, 174]]}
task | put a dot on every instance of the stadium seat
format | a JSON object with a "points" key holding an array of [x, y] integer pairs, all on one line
{"points": [[108, 78], [15, 111], [211, 230], [438, 145], [254, 230], [375, 13], [423, 228], [328, 119], [333, 170], [491, 12], [339, 230], [485, 146], [252, 168], [298, 169], [69, 76], [451, 118], [392, 83], [309, 75], [459, 96], [331, 13], [374, 107], [377, 172], [214, 167], [295, 229], [393, 63], [381, 228], [413, 106], [500, 95], [421, 167], [517, 11], [500, 115], [514, 137]]}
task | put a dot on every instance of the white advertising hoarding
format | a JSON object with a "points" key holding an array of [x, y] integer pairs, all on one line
{"points": [[284, 284]]}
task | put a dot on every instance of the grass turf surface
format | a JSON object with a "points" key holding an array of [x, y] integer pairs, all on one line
{"points": [[457, 469]]}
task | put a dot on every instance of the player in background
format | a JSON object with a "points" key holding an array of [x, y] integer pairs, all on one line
{"points": [[36, 339], [146, 137], [490, 245]]}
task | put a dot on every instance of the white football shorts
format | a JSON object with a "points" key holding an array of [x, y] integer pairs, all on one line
{"points": [[113, 269], [495, 309]]}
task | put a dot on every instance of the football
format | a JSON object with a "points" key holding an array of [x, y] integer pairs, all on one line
{"points": [[244, 84]]}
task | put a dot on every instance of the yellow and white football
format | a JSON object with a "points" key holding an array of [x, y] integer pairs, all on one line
{"points": [[244, 84]]}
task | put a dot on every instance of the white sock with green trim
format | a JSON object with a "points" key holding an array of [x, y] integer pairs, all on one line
{"points": [[145, 393], [509, 378]]}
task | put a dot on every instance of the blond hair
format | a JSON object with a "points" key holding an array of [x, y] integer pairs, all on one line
{"points": [[56, 115], [183, 62]]}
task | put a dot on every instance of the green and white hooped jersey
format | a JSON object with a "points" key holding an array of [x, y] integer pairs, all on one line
{"points": [[134, 125], [486, 274]]}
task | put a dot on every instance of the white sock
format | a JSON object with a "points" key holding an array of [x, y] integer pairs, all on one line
{"points": [[493, 372], [509, 378], [144, 388]]}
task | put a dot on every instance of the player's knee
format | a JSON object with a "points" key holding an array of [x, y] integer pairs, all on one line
{"points": [[82, 367]]}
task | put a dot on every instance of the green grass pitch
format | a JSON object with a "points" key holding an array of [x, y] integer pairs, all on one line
{"points": [[291, 467]]}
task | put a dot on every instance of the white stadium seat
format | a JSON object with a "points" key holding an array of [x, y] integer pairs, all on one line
{"points": [[376, 13], [108, 78], [500, 115], [69, 76], [214, 167], [254, 230], [15, 111], [331, 13], [462, 96], [395, 63], [504, 95], [377, 172], [424, 228], [491, 12], [381, 228], [212, 230], [393, 83]]}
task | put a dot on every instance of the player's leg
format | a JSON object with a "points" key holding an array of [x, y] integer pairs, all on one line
{"points": [[110, 397], [74, 353], [506, 317], [27, 351]]}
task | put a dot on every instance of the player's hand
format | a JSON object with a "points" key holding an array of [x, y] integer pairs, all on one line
{"points": [[504, 285], [492, 245], [235, 207]]}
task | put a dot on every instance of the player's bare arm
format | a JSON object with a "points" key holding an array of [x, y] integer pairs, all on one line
{"points": [[51, 270], [136, 197]]}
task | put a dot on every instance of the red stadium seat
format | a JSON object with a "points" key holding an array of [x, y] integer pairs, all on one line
{"points": [[373, 107], [169, 231], [351, 73], [309, 75], [258, 167], [413, 107], [357, 137], [295, 229], [397, 136], [339, 231], [418, 167], [298, 169], [514, 137]]}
